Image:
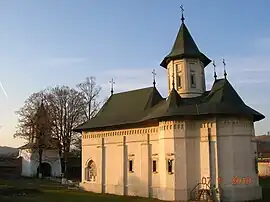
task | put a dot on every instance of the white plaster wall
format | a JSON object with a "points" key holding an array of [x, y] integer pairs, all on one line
{"points": [[166, 151], [193, 154], [187, 65], [236, 159], [30, 162], [26, 162], [142, 146]]}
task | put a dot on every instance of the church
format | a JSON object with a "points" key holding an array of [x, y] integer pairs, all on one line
{"points": [[195, 144]]}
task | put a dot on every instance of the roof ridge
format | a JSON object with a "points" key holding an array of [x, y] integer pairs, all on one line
{"points": [[154, 98], [133, 90]]}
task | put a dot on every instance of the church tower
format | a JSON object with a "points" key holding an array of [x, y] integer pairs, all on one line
{"points": [[185, 65]]}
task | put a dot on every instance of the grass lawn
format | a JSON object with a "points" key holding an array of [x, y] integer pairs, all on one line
{"points": [[53, 192], [46, 190]]}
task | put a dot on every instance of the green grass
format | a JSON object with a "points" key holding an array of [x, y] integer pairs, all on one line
{"points": [[54, 192]]}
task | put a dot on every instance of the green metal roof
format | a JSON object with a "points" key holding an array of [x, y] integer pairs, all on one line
{"points": [[124, 108], [184, 47], [147, 104]]}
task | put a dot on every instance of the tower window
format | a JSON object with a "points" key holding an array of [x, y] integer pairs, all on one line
{"points": [[179, 84], [130, 165], [192, 79]]}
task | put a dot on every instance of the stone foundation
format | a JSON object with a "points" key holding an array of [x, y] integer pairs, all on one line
{"points": [[141, 191], [231, 194]]}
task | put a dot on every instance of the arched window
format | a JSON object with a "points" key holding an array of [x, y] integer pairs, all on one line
{"points": [[91, 171]]}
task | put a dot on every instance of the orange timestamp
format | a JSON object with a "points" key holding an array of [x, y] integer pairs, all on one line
{"points": [[241, 180], [236, 180], [208, 180]]}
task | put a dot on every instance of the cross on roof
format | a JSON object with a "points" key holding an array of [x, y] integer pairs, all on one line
{"points": [[182, 10], [112, 82], [215, 73], [154, 77], [224, 65]]}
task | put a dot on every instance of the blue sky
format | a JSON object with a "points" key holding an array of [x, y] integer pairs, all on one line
{"points": [[47, 43]]}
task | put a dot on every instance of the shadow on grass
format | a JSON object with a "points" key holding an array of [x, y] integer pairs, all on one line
{"points": [[45, 190]]}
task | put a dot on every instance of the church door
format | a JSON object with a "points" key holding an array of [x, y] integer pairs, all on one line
{"points": [[46, 169]]}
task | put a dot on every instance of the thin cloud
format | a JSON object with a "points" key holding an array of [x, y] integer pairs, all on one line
{"points": [[64, 61], [3, 89], [262, 43]]}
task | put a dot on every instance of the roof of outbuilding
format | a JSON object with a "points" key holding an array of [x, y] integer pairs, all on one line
{"points": [[52, 144]]}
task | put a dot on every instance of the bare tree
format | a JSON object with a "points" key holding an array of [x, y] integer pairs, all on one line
{"points": [[67, 108], [90, 91], [26, 114]]}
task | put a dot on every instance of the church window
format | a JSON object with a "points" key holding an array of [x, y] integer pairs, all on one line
{"points": [[178, 81], [154, 166], [130, 165], [91, 171], [170, 166], [192, 79]]}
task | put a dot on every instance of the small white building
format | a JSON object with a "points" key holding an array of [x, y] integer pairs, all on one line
{"points": [[51, 163], [195, 144], [41, 138]]}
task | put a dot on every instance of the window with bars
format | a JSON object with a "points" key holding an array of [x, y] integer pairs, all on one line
{"points": [[130, 165], [170, 166], [154, 166]]}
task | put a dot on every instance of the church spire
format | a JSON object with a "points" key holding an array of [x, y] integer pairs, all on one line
{"points": [[184, 47]]}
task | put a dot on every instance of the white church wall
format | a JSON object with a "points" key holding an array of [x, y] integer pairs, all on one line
{"points": [[238, 160], [117, 155], [134, 150], [113, 165], [91, 152], [30, 162], [181, 167], [26, 162], [155, 176], [192, 134], [166, 152], [142, 146]]}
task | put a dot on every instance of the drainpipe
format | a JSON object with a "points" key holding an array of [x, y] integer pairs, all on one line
{"points": [[210, 160]]}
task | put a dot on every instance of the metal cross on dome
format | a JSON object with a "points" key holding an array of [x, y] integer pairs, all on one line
{"points": [[182, 10], [215, 73], [224, 65], [112, 82], [154, 77]]}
